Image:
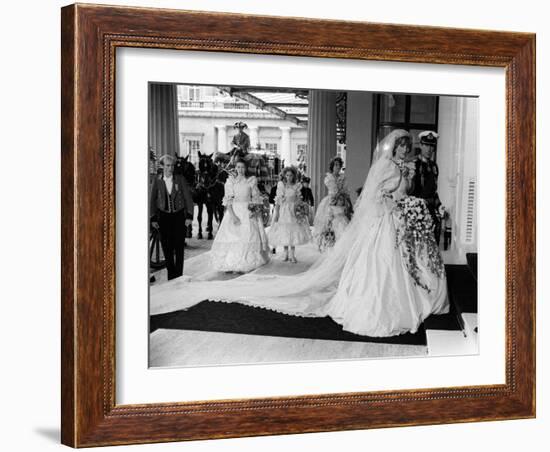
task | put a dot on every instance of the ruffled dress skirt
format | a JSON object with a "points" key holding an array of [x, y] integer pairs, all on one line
{"points": [[288, 231], [241, 248]]}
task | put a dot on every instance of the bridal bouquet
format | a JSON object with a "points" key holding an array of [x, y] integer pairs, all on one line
{"points": [[416, 233]]}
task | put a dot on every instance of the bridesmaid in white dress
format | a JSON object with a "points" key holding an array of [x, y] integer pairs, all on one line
{"points": [[241, 243], [335, 182], [286, 230]]}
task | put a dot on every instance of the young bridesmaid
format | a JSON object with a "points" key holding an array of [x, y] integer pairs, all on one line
{"points": [[286, 230]]}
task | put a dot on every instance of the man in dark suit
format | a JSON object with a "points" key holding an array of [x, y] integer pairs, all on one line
{"points": [[307, 194], [425, 177], [307, 197], [171, 208]]}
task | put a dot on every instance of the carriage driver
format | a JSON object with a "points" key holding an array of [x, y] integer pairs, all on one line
{"points": [[171, 209], [240, 143], [241, 140]]}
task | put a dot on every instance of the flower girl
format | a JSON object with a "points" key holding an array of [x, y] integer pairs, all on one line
{"points": [[241, 243], [339, 214], [287, 230]]}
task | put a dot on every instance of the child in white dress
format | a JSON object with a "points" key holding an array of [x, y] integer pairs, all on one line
{"points": [[339, 215], [287, 230], [241, 243]]}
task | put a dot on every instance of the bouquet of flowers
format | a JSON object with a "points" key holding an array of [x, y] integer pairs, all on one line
{"points": [[301, 210], [327, 238], [416, 234], [260, 210], [255, 210]]}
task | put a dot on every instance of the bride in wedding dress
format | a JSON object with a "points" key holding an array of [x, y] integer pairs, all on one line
{"points": [[382, 278]]}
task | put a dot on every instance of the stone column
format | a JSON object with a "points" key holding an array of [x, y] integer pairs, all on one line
{"points": [[222, 138], [321, 138], [254, 137], [358, 139], [163, 119], [285, 145]]}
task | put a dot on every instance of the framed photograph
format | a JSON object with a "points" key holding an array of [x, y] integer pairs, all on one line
{"points": [[284, 225]]}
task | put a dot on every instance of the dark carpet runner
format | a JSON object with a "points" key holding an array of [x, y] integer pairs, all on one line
{"points": [[242, 319]]}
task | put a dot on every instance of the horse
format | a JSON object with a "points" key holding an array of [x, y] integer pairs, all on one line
{"points": [[256, 163], [184, 167], [209, 192]]}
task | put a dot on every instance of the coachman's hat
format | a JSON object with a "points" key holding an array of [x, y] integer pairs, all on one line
{"points": [[428, 137]]}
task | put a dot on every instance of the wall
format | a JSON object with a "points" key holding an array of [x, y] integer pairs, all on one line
{"points": [[457, 158]]}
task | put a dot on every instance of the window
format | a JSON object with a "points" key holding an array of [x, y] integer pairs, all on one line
{"points": [[271, 147], [193, 147], [194, 93], [414, 113]]}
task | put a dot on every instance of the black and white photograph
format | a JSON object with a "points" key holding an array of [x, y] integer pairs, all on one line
{"points": [[289, 224]]}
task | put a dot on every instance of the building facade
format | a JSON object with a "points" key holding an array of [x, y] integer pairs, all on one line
{"points": [[206, 118]]}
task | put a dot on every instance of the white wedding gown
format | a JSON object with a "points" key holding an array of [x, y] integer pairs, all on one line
{"points": [[362, 283], [243, 247]]}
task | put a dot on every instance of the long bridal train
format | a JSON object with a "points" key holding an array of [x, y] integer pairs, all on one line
{"points": [[374, 282]]}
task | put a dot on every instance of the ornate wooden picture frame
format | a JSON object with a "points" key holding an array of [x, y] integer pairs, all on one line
{"points": [[90, 37]]}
